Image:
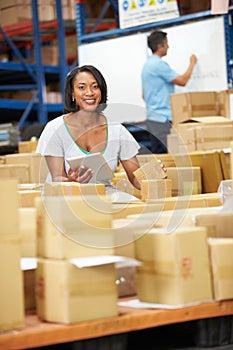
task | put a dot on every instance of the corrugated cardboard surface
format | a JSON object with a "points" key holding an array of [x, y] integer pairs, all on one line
{"points": [[11, 292], [172, 271], [155, 189], [210, 164], [68, 294], [187, 105], [185, 180], [218, 225], [222, 267]]}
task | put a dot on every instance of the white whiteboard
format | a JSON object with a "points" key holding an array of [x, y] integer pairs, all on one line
{"points": [[121, 59], [206, 39]]}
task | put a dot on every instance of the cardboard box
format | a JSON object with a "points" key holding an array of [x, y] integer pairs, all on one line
{"points": [[27, 146], [27, 230], [185, 180], [9, 13], [203, 200], [9, 205], [188, 105], [61, 233], [214, 136], [37, 165], [150, 171], [202, 133], [18, 171], [222, 267], [69, 294], [73, 189], [11, 291], [47, 13], [183, 141], [125, 229], [173, 219], [166, 159], [27, 197], [154, 189], [122, 210], [210, 164], [50, 54], [121, 182], [225, 163], [225, 98], [218, 225], [172, 271], [231, 160]]}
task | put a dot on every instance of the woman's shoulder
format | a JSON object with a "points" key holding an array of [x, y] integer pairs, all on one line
{"points": [[55, 123], [115, 126], [117, 129]]}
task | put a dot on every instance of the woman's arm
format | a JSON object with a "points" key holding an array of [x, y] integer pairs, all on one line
{"points": [[130, 165]]}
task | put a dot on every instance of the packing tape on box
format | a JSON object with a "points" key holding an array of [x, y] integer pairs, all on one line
{"points": [[213, 139], [166, 268], [86, 289], [206, 107]]}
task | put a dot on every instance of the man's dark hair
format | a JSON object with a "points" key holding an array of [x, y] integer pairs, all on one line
{"points": [[70, 106], [156, 38]]}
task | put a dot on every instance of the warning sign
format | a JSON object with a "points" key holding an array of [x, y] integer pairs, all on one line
{"points": [[138, 12]]}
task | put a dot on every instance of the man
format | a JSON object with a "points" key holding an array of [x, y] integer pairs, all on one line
{"points": [[158, 81]]}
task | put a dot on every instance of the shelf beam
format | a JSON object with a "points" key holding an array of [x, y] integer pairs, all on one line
{"points": [[37, 333]]}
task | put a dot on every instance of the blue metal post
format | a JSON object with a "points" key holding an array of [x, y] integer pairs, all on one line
{"points": [[80, 20], [63, 67], [101, 16], [18, 54], [42, 108], [228, 25]]}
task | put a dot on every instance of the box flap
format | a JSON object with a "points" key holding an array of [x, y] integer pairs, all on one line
{"points": [[208, 119]]}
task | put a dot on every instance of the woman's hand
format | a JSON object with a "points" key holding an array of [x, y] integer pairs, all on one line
{"points": [[164, 169], [81, 175]]}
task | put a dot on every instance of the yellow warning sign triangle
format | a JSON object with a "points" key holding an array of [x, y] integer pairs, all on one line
{"points": [[133, 5], [151, 3]]}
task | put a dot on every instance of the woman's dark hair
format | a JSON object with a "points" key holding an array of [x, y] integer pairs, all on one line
{"points": [[156, 38], [70, 106]]}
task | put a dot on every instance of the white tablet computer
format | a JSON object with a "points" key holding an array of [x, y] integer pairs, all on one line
{"points": [[96, 162]]}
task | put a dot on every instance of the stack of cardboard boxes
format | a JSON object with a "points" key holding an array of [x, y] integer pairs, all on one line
{"points": [[16, 11], [12, 314], [72, 227], [201, 121], [185, 260]]}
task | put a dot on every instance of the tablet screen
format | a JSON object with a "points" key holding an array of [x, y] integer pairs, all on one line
{"points": [[94, 161]]}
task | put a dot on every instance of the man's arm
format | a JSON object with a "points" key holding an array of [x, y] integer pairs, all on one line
{"points": [[182, 79]]}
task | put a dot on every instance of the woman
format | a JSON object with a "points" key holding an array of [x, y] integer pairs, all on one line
{"points": [[84, 129]]}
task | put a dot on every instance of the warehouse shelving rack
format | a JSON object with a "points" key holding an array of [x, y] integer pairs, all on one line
{"points": [[32, 77]]}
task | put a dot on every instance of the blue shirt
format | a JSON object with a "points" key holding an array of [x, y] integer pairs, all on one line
{"points": [[156, 84]]}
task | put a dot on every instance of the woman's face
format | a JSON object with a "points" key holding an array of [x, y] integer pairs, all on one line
{"points": [[86, 91]]}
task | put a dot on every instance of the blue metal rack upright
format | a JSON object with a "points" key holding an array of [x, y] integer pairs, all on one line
{"points": [[33, 76]]}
